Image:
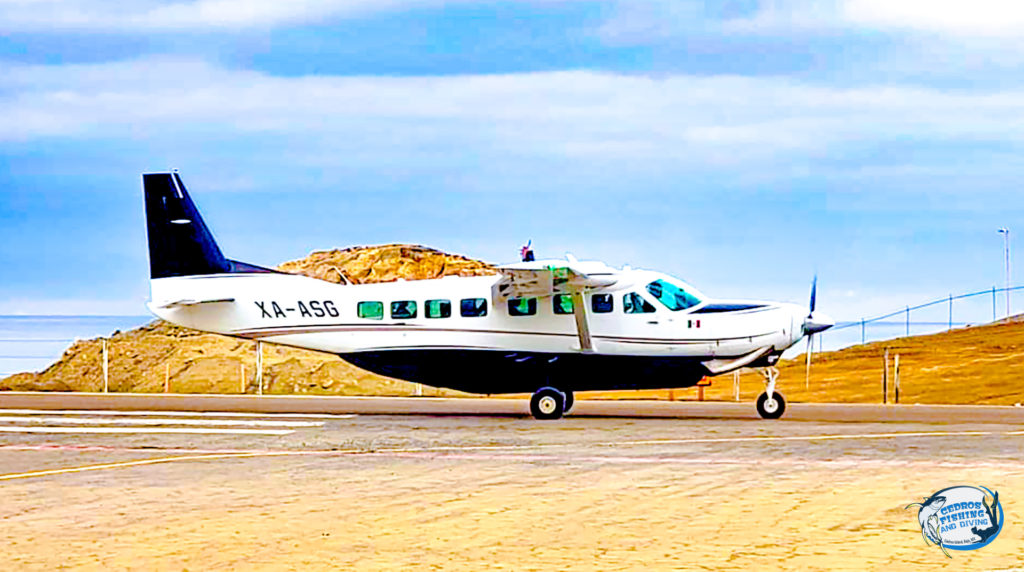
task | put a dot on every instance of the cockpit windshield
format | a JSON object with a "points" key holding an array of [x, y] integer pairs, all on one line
{"points": [[673, 297]]}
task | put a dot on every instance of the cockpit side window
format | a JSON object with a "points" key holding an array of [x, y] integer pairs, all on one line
{"points": [[634, 303], [673, 297]]}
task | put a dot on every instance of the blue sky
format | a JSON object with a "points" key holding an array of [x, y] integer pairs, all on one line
{"points": [[743, 145]]}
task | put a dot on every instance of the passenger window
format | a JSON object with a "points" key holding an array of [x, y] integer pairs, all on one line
{"points": [[439, 308], [522, 306], [403, 310], [602, 303], [563, 303], [370, 310], [634, 303], [673, 297], [473, 307]]}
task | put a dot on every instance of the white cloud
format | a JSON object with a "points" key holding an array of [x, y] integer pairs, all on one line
{"points": [[654, 20], [148, 15], [691, 119], [957, 17]]}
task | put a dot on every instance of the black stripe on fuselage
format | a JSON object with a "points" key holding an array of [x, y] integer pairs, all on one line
{"points": [[502, 371], [270, 331]]}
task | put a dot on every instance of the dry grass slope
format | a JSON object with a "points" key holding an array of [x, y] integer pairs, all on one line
{"points": [[981, 365]]}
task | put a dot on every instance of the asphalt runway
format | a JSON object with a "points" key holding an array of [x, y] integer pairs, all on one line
{"points": [[825, 412], [164, 490]]}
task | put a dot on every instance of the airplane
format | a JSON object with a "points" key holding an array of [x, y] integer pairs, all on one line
{"points": [[546, 327]]}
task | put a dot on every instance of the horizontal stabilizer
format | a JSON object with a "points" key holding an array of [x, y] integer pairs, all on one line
{"points": [[184, 303]]}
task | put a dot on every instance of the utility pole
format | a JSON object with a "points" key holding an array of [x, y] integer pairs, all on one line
{"points": [[1006, 253]]}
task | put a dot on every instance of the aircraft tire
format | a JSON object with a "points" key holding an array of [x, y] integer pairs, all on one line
{"points": [[773, 411], [547, 403], [570, 400]]}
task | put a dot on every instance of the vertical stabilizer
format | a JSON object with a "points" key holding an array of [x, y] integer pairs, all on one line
{"points": [[179, 242]]}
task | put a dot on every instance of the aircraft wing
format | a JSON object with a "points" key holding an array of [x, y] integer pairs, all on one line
{"points": [[547, 278], [537, 279]]}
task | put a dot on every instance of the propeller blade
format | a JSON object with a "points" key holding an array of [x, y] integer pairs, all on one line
{"points": [[807, 375], [814, 294]]}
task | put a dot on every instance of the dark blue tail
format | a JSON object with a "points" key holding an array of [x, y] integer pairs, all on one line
{"points": [[180, 244]]}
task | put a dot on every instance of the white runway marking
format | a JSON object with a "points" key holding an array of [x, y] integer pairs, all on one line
{"points": [[175, 413], [132, 430], [159, 421]]}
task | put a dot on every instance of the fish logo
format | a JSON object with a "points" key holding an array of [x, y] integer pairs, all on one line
{"points": [[960, 518]]}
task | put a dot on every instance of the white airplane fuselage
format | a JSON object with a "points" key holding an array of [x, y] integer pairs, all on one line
{"points": [[308, 313]]}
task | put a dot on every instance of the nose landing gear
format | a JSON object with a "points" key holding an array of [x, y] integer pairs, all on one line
{"points": [[770, 404]]}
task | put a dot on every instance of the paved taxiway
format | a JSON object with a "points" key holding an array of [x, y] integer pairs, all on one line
{"points": [[830, 412], [374, 492]]}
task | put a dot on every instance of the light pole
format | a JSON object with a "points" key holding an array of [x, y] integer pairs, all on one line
{"points": [[1006, 252]]}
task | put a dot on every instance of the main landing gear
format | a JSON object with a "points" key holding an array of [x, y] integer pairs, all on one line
{"points": [[550, 403], [770, 404]]}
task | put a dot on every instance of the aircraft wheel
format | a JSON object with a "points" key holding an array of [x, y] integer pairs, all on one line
{"points": [[570, 400], [547, 403], [771, 409]]}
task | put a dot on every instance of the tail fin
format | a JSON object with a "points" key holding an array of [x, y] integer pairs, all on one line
{"points": [[179, 242]]}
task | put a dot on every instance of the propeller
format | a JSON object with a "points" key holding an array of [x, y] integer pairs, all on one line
{"points": [[810, 335], [813, 324]]}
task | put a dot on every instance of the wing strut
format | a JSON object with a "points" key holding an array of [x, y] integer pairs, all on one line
{"points": [[579, 312]]}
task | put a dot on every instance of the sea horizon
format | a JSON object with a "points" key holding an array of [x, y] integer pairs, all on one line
{"points": [[32, 342]]}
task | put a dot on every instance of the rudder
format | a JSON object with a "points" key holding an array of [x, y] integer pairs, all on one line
{"points": [[180, 244]]}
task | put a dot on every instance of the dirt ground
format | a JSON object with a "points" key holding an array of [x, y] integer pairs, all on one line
{"points": [[456, 494]]}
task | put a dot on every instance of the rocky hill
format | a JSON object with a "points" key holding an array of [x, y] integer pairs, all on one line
{"points": [[187, 361]]}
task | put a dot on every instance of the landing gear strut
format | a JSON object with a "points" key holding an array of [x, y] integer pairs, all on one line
{"points": [[770, 404], [549, 403]]}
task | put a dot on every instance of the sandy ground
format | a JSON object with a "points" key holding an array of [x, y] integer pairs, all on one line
{"points": [[451, 493]]}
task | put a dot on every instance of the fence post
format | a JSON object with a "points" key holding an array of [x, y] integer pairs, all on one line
{"points": [[862, 330], [908, 321], [106, 376], [259, 368], [897, 380], [241, 367], [736, 385], [885, 378], [950, 311]]}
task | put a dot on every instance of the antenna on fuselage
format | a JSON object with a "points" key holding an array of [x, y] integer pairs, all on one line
{"points": [[526, 252]]}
